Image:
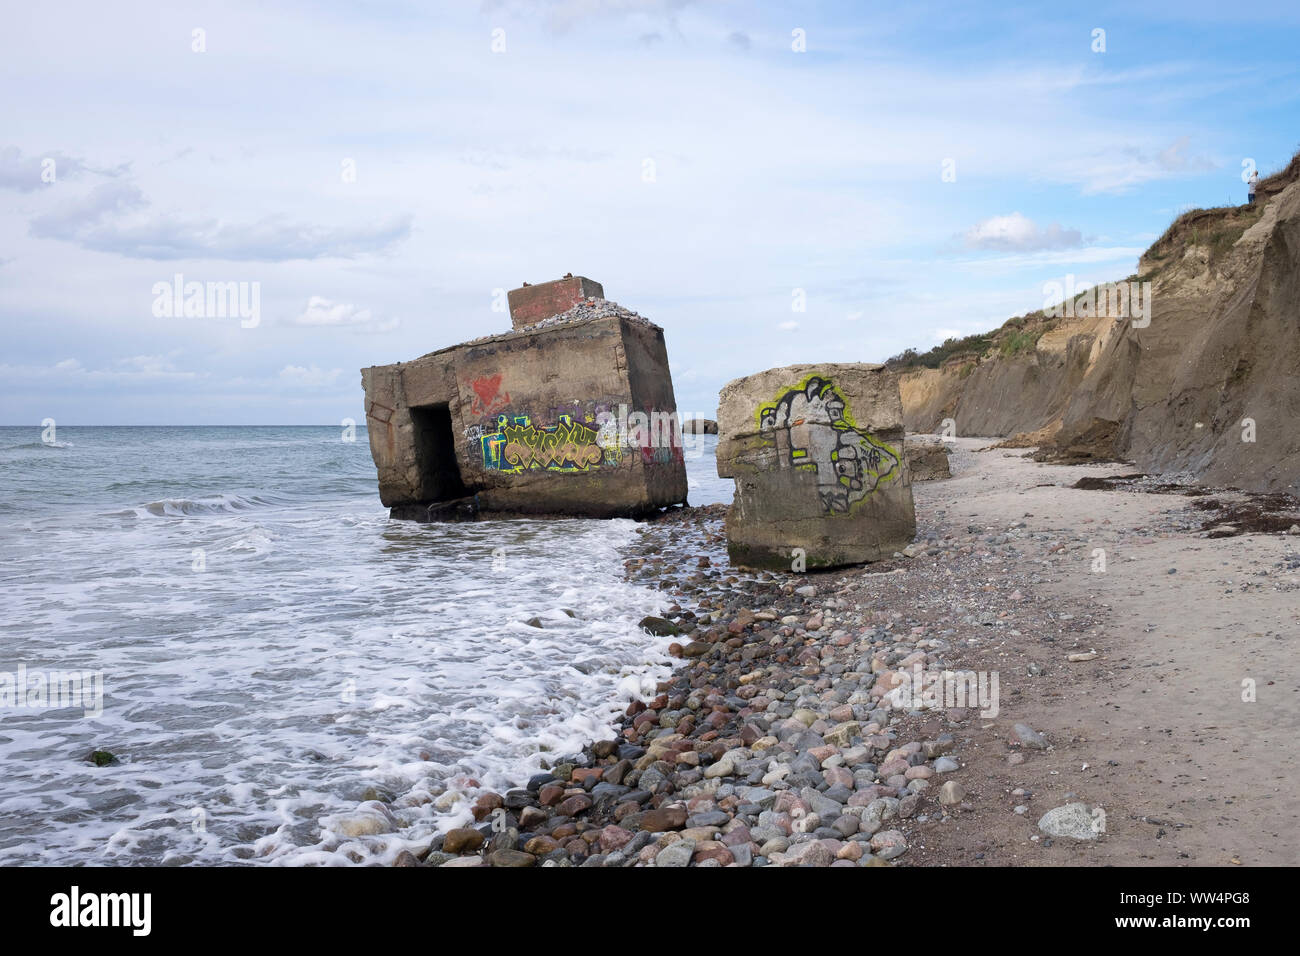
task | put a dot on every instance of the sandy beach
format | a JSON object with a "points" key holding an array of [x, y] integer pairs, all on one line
{"points": [[778, 742], [1155, 729]]}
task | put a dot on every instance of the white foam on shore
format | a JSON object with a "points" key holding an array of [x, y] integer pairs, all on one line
{"points": [[323, 650], [268, 692]]}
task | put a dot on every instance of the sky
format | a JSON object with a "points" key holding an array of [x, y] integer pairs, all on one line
{"points": [[771, 183]]}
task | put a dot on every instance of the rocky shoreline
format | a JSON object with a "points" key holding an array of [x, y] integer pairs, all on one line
{"points": [[782, 740], [778, 741]]}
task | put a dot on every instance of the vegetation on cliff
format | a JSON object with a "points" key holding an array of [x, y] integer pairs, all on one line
{"points": [[1215, 230], [1204, 366]]}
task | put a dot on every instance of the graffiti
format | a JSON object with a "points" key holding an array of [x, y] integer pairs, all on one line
{"points": [[607, 439], [488, 399], [519, 445], [813, 429], [586, 435]]}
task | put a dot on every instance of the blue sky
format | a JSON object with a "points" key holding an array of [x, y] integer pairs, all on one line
{"points": [[476, 169]]}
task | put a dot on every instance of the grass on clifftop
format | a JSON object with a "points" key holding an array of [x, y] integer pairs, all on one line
{"points": [[1017, 335], [1217, 229]]}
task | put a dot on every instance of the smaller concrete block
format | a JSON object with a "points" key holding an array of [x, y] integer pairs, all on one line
{"points": [[817, 455]]}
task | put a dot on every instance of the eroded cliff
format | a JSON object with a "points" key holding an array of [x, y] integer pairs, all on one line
{"points": [[1205, 382]]}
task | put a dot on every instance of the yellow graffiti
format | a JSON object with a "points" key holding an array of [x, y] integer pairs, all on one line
{"points": [[565, 446], [813, 430]]}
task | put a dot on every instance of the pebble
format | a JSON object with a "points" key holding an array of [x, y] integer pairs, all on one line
{"points": [[811, 853], [676, 854], [888, 844], [511, 858], [1073, 820], [462, 840], [1029, 738], [951, 793]]}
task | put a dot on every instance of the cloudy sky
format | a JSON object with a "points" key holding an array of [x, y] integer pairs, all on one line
{"points": [[381, 170]]}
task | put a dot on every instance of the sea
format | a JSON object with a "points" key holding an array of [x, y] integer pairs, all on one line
{"points": [[228, 621]]}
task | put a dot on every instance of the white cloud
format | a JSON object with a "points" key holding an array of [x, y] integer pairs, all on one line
{"points": [[82, 212], [147, 365], [310, 377], [788, 326], [30, 173], [1018, 232], [1119, 170], [560, 15], [110, 218], [772, 172], [137, 369], [739, 40], [322, 312]]}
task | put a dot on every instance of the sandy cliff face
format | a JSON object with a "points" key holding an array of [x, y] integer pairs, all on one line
{"points": [[1221, 351]]}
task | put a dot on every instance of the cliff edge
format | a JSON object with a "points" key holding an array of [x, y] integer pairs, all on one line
{"points": [[1198, 374]]}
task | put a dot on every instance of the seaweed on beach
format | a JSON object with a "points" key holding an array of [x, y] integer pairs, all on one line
{"points": [[1253, 513], [1267, 514], [1107, 483]]}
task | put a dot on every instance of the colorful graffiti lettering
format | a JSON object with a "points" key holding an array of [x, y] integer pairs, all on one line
{"points": [[519, 445], [488, 399], [813, 429]]}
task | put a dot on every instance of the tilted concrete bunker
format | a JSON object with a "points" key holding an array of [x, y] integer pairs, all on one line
{"points": [[571, 413], [821, 476]]}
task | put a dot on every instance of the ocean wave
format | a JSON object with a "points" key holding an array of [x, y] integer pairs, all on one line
{"points": [[41, 446], [277, 649], [213, 505]]}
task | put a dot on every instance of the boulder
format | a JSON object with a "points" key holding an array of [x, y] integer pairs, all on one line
{"points": [[1077, 821], [927, 460], [699, 426]]}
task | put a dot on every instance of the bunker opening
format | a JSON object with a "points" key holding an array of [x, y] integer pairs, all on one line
{"points": [[435, 453]]}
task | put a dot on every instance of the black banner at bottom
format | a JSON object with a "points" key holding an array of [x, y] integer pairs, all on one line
{"points": [[332, 905]]}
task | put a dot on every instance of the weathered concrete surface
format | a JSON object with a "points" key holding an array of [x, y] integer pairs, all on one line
{"points": [[817, 455], [927, 460], [576, 418], [531, 304]]}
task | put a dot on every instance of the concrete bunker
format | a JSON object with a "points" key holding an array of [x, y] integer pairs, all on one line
{"points": [[570, 413]]}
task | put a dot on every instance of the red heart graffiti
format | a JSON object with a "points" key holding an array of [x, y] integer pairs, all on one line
{"points": [[487, 387]]}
